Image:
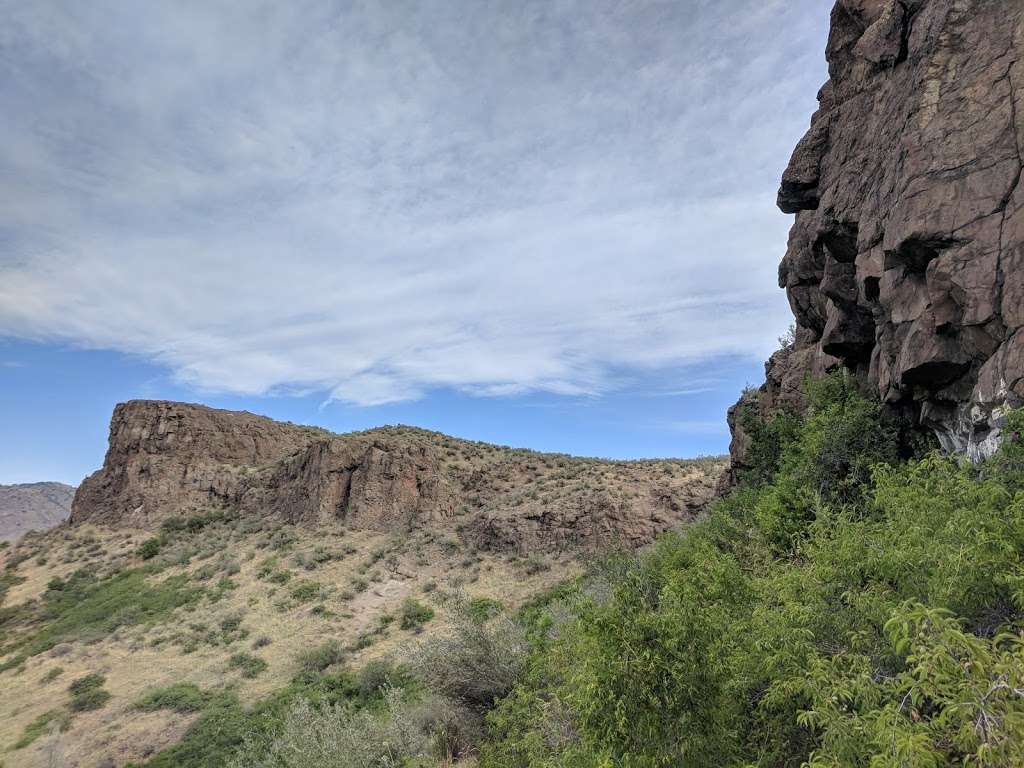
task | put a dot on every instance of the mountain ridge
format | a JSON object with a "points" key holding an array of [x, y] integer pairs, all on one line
{"points": [[35, 506], [168, 458]]}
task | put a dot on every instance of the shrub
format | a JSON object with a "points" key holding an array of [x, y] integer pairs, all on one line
{"points": [[848, 606], [250, 666], [88, 693], [149, 549], [473, 664], [414, 614], [323, 656], [378, 675], [483, 608], [305, 591], [405, 732], [180, 697]]}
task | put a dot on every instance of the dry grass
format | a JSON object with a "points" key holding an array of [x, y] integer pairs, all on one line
{"points": [[138, 658]]}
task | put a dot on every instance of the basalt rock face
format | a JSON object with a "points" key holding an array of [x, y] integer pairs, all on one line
{"points": [[168, 459], [906, 260]]}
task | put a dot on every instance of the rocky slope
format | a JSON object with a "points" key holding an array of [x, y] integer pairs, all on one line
{"points": [[28, 507], [906, 260], [170, 459]]}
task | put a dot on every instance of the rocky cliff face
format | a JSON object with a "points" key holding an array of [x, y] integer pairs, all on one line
{"points": [[170, 459], [906, 260], [28, 507]]}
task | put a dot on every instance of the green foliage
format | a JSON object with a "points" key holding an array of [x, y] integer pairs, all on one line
{"points": [[225, 725], [484, 608], [414, 614], [323, 656], [54, 719], [249, 665], [86, 608], [88, 693], [305, 591], [180, 697], [958, 700], [847, 606], [149, 549]]}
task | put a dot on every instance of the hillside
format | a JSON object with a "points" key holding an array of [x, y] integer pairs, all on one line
{"points": [[33, 507], [173, 458], [233, 560]]}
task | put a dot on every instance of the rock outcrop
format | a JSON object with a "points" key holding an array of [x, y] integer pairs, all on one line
{"points": [[168, 459], [906, 260], [28, 507]]}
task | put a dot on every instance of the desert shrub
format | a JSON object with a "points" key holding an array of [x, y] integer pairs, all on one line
{"points": [[377, 675], [88, 693], [149, 549], [473, 663], [305, 591], [52, 674], [483, 608], [250, 666], [414, 614], [180, 697], [321, 657], [341, 736]]}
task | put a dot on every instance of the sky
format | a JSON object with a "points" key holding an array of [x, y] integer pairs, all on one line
{"points": [[545, 223]]}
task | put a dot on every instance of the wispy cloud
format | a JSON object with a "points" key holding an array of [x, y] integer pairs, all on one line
{"points": [[372, 200]]}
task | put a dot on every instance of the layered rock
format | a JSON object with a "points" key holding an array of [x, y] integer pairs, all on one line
{"points": [[906, 260], [169, 459]]}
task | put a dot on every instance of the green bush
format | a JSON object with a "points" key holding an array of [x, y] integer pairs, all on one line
{"points": [[323, 656], [180, 697], [250, 666], [85, 608], [88, 693], [484, 608], [854, 603], [414, 614], [149, 549], [305, 591]]}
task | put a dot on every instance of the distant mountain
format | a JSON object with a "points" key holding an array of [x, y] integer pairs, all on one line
{"points": [[33, 507]]}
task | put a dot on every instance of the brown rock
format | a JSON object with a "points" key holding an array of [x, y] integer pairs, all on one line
{"points": [[169, 459], [910, 173]]}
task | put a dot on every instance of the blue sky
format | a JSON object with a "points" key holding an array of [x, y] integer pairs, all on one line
{"points": [[548, 224]]}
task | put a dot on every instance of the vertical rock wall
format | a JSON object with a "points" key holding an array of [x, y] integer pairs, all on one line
{"points": [[906, 259]]}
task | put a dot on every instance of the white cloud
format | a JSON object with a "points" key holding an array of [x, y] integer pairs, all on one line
{"points": [[375, 201]]}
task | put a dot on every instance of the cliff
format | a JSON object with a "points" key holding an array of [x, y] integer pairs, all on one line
{"points": [[905, 263], [168, 459]]}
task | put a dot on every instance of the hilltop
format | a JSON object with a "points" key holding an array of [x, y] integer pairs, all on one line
{"points": [[174, 458]]}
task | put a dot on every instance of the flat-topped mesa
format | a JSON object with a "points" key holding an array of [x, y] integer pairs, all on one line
{"points": [[167, 459], [906, 259]]}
